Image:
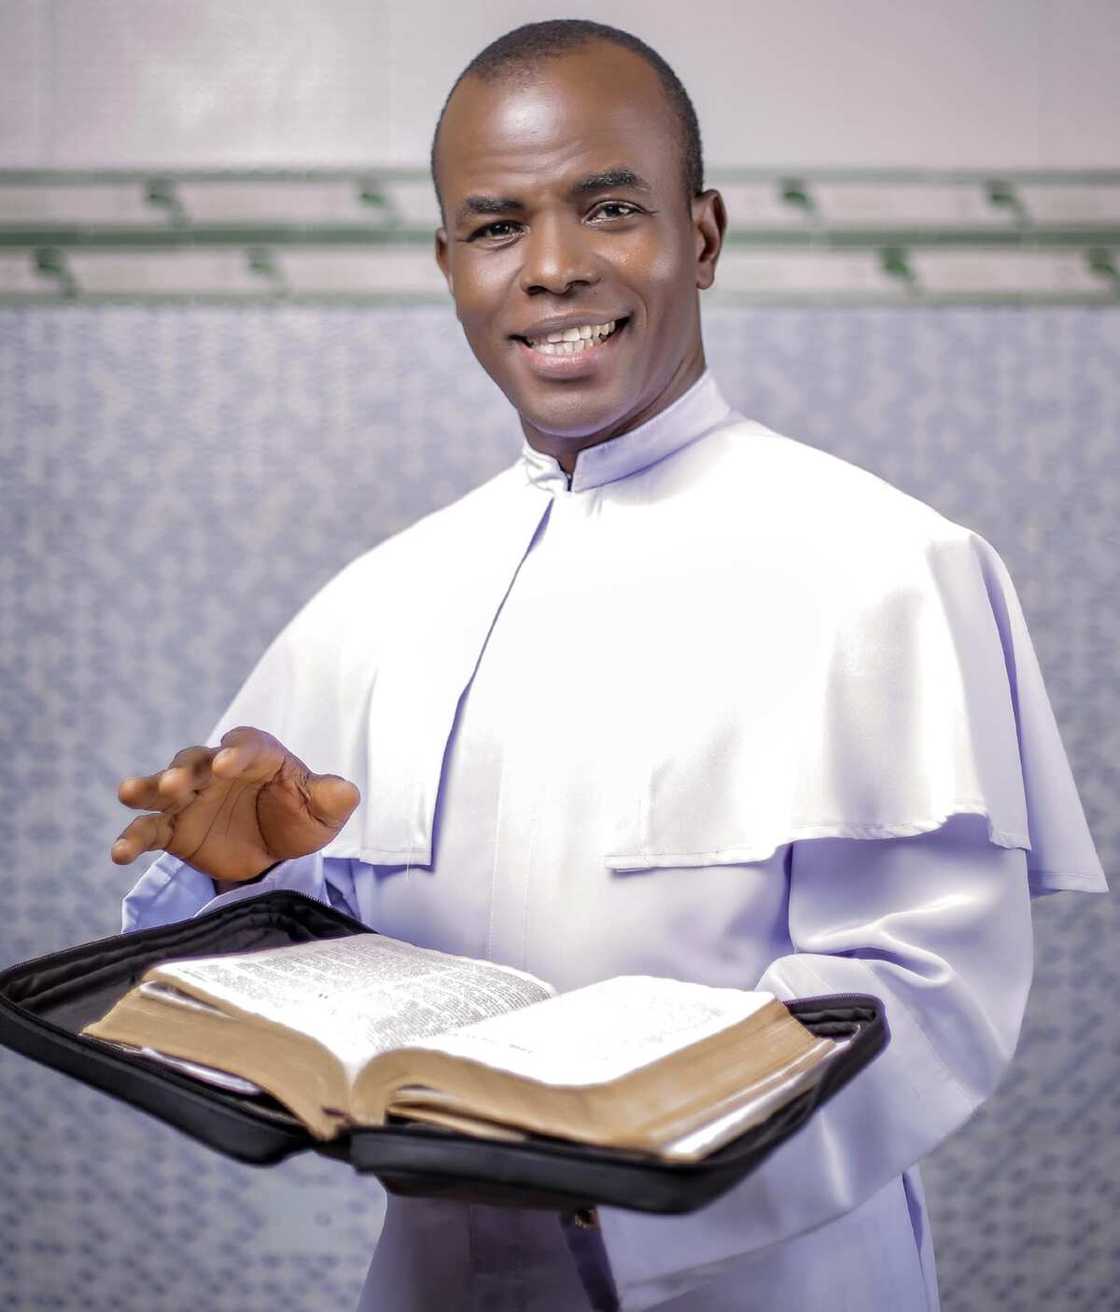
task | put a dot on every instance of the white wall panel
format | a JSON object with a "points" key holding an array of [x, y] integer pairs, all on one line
{"points": [[819, 82], [24, 81], [140, 82], [934, 83], [949, 84], [1079, 83]]}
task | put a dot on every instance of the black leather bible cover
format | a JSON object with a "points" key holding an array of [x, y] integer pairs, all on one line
{"points": [[44, 1003]]}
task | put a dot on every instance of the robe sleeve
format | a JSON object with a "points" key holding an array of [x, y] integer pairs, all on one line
{"points": [[171, 889], [938, 926]]}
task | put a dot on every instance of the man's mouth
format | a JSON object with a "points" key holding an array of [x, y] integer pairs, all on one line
{"points": [[575, 340]]}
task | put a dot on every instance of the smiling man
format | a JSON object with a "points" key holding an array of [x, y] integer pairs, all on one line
{"points": [[576, 236], [671, 695]]}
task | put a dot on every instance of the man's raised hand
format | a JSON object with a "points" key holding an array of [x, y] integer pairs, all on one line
{"points": [[232, 811]]}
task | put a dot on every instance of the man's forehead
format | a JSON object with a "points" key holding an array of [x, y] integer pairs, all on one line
{"points": [[578, 175], [579, 114], [587, 73]]}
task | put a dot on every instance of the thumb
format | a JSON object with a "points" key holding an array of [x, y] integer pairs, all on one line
{"points": [[333, 799]]}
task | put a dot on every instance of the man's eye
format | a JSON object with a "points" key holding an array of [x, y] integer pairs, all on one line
{"points": [[615, 209], [500, 228]]}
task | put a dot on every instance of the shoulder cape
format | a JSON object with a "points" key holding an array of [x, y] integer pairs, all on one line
{"points": [[866, 670]]}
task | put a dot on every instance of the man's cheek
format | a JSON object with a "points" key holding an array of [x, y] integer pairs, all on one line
{"points": [[480, 337], [489, 351]]}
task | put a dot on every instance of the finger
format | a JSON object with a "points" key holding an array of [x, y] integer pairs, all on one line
{"points": [[195, 760], [141, 792], [248, 754], [332, 799], [188, 771], [144, 793], [147, 833]]}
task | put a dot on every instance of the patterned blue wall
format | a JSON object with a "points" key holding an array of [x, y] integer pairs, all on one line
{"points": [[176, 481]]}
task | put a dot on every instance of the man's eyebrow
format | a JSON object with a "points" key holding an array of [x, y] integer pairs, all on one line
{"points": [[609, 180], [487, 205]]}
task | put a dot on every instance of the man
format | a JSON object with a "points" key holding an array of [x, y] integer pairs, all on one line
{"points": [[671, 695]]}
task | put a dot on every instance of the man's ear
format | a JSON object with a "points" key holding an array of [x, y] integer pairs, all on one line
{"points": [[709, 220], [442, 260]]}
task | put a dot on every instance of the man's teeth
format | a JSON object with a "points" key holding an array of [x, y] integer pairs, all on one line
{"points": [[573, 341]]}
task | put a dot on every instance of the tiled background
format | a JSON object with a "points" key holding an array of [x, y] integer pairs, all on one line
{"points": [[176, 482]]}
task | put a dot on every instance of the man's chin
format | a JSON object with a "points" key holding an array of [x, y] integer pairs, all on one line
{"points": [[573, 416]]}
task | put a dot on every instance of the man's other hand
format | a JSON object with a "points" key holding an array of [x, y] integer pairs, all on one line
{"points": [[235, 810]]}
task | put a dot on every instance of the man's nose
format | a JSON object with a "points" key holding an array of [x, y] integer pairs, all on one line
{"points": [[558, 256]]}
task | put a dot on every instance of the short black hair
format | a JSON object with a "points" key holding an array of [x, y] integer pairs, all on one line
{"points": [[522, 49]]}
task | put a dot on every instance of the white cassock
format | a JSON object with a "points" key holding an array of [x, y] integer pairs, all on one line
{"points": [[648, 723]]}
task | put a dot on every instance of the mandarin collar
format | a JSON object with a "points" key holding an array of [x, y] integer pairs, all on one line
{"points": [[690, 416]]}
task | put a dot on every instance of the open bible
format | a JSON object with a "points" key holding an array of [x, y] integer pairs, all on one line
{"points": [[364, 1030]]}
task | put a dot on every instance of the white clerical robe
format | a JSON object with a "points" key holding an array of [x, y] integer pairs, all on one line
{"points": [[646, 720]]}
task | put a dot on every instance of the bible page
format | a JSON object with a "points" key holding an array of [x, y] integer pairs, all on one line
{"points": [[207, 1074], [358, 995], [740, 1112], [602, 1031]]}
